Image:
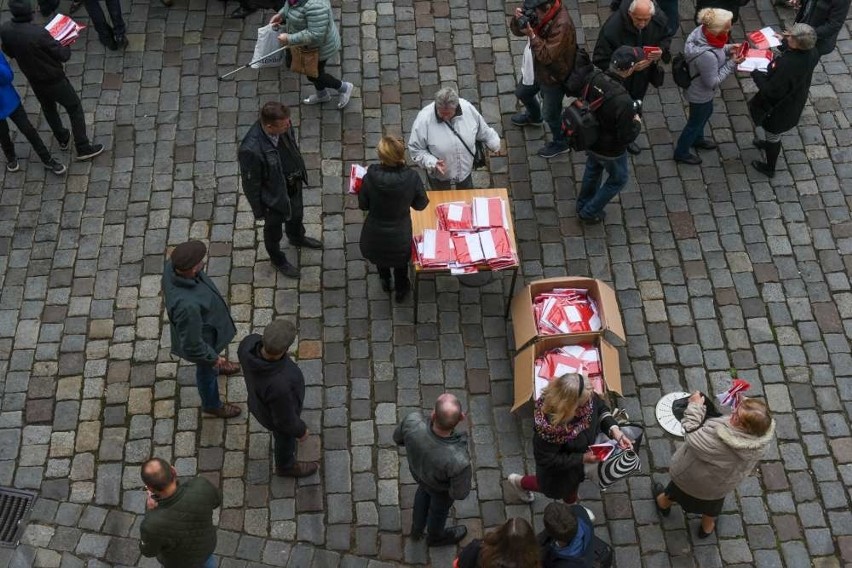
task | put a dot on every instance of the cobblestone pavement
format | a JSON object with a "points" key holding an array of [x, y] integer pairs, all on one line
{"points": [[714, 267]]}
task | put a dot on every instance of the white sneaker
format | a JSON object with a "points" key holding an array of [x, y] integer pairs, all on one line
{"points": [[345, 94], [591, 515], [523, 494], [318, 98]]}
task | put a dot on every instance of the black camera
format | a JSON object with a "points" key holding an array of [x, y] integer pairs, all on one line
{"points": [[528, 18]]}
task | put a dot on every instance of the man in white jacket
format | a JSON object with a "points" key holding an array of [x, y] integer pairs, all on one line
{"points": [[443, 140]]}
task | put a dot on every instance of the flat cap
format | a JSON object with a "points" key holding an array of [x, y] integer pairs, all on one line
{"points": [[188, 254]]}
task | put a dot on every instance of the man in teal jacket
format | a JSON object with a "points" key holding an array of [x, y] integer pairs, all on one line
{"points": [[178, 525], [201, 323]]}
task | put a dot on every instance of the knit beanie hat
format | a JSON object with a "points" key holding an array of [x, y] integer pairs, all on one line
{"points": [[21, 7]]}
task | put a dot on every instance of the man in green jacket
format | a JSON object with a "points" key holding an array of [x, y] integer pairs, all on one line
{"points": [[178, 525], [201, 324]]}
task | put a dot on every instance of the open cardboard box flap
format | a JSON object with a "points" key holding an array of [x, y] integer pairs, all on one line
{"points": [[523, 317], [525, 363]]}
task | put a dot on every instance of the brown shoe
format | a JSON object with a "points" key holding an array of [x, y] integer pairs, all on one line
{"points": [[229, 368], [227, 410], [301, 469]]}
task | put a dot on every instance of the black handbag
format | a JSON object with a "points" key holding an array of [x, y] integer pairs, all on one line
{"points": [[479, 159], [656, 75], [679, 408]]}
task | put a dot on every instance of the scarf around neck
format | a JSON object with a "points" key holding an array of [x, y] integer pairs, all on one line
{"points": [[717, 41], [562, 433], [548, 16]]}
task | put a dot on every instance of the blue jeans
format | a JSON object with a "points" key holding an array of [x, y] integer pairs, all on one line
{"points": [[285, 451], [670, 8], [594, 196], [431, 509], [699, 115], [527, 95], [207, 379], [551, 97], [210, 562]]}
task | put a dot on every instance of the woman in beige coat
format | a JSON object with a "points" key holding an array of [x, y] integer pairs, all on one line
{"points": [[716, 457]]}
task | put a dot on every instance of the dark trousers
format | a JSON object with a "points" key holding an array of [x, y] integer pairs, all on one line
{"points": [[400, 276], [431, 509], [551, 98], [527, 94], [99, 19], [466, 183], [274, 225], [285, 451], [593, 195], [64, 94], [699, 116], [19, 117], [324, 80]]}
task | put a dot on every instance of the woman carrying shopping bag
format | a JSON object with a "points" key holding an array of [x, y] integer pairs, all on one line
{"points": [[313, 39]]}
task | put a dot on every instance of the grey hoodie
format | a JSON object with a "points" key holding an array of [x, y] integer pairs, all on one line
{"points": [[709, 68]]}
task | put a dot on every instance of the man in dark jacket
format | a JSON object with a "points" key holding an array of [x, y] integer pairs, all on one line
{"points": [[439, 461], [619, 126], [637, 23], [568, 537], [178, 525], [201, 323], [40, 58], [276, 393], [553, 42], [273, 173], [827, 18]]}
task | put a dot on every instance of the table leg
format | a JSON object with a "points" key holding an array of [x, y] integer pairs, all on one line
{"points": [[511, 293], [416, 294]]}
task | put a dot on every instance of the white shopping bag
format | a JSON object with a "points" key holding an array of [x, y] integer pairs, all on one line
{"points": [[267, 42]]}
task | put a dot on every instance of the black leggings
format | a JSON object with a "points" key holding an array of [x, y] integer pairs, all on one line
{"points": [[19, 117], [324, 80]]}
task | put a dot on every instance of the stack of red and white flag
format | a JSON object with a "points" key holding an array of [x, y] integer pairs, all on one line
{"points": [[356, 178], [454, 216], [64, 29], [498, 249], [489, 212], [583, 359], [566, 310], [435, 249]]}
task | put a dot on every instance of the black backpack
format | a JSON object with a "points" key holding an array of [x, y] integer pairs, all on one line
{"points": [[579, 123], [680, 69]]}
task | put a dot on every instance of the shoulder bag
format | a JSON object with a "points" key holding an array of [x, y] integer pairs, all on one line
{"points": [[479, 159]]}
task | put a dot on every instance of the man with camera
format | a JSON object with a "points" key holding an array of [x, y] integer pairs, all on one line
{"points": [[637, 23], [620, 124], [553, 43]]}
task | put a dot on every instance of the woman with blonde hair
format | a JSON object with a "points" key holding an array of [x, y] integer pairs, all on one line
{"points": [[511, 545], [388, 191], [568, 417], [716, 456], [711, 58]]}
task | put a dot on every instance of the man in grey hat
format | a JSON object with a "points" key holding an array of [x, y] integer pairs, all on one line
{"points": [[201, 323], [276, 393]]}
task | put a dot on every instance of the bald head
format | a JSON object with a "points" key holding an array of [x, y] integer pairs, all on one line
{"points": [[157, 474], [641, 12], [448, 412]]}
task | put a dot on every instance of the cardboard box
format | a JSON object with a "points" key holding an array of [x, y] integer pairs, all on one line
{"points": [[523, 316], [525, 363]]}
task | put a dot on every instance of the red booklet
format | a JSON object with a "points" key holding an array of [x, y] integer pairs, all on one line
{"points": [[602, 451], [650, 50], [742, 50]]}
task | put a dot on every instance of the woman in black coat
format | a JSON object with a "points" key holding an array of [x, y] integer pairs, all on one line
{"points": [[783, 92], [388, 191], [567, 419]]}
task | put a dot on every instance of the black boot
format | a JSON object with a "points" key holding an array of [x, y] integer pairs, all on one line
{"points": [[767, 168], [387, 285], [107, 37]]}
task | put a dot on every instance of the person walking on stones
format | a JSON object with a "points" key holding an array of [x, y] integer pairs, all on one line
{"points": [[114, 36], [201, 324], [511, 544], [567, 419], [310, 24], [553, 42], [711, 59], [443, 140], [568, 537], [273, 174], [388, 191], [826, 17], [276, 393], [717, 454], [178, 525], [439, 461], [40, 58], [637, 23], [783, 92], [12, 109], [620, 124]]}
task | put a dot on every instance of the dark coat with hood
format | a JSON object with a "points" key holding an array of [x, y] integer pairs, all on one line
{"points": [[783, 90], [554, 47], [276, 389], [180, 531], [264, 170], [387, 195], [201, 323], [619, 30], [559, 467], [579, 553], [39, 56], [615, 116], [826, 17]]}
